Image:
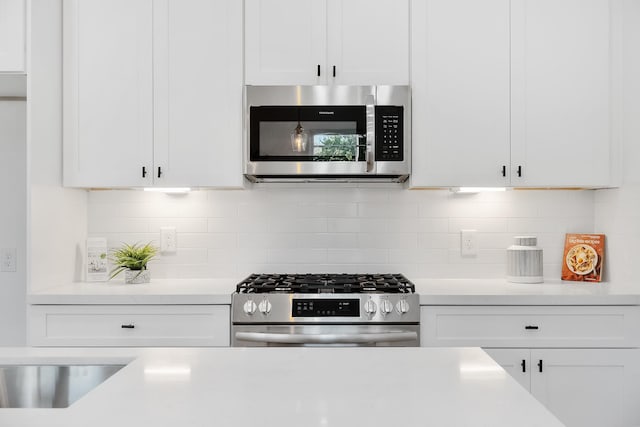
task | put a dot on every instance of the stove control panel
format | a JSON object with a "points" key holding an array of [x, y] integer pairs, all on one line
{"points": [[331, 308], [317, 307]]}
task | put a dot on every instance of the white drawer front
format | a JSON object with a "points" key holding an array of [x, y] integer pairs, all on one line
{"points": [[130, 325], [532, 326]]}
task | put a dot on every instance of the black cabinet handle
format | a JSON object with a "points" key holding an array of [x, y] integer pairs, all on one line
{"points": [[334, 71], [130, 326], [524, 365], [159, 171], [531, 327], [504, 170], [144, 172], [540, 365], [519, 171], [318, 70]]}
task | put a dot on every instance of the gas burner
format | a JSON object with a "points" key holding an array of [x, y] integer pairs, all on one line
{"points": [[326, 283]]}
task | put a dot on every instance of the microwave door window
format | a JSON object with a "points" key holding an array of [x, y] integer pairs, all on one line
{"points": [[312, 141]]}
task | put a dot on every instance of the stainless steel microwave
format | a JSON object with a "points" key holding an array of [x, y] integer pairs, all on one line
{"points": [[327, 133]]}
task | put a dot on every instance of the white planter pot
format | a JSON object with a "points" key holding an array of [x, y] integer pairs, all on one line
{"points": [[137, 276]]}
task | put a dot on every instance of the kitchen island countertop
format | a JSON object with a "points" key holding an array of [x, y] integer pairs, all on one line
{"points": [[288, 387]]}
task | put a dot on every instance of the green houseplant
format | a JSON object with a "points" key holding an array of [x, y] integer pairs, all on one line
{"points": [[133, 259]]}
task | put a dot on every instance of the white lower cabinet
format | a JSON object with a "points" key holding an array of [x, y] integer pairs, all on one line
{"points": [[581, 362], [130, 325], [582, 387]]}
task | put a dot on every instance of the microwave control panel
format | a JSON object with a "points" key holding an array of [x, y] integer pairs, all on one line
{"points": [[389, 133]]}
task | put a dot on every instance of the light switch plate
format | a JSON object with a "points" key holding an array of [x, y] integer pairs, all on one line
{"points": [[8, 260], [168, 244]]}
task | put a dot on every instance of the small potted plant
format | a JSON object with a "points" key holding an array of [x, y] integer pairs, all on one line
{"points": [[133, 259]]}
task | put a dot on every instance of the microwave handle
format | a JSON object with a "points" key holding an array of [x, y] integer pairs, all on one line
{"points": [[371, 133]]}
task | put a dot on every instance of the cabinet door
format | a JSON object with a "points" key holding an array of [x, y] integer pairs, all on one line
{"points": [[586, 388], [285, 42], [197, 93], [129, 325], [460, 87], [12, 35], [515, 361], [108, 99], [561, 97], [368, 42]]}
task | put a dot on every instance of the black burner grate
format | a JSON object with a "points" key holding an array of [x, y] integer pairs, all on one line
{"points": [[325, 283]]}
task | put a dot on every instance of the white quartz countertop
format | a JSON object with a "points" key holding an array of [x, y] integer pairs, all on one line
{"points": [[431, 291], [501, 292], [159, 291], [289, 387]]}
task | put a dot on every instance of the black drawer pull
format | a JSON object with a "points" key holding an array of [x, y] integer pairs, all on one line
{"points": [[519, 172], [504, 170], [524, 365], [128, 326], [144, 172], [531, 327], [334, 71], [540, 365], [159, 172], [318, 70]]}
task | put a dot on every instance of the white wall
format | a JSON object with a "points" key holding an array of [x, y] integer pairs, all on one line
{"points": [[13, 209], [617, 212], [339, 229]]}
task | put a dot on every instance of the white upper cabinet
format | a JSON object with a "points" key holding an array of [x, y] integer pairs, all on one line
{"points": [[460, 89], [513, 92], [153, 93], [561, 92], [108, 93], [198, 93], [368, 42], [12, 36], [310, 42], [285, 42]]}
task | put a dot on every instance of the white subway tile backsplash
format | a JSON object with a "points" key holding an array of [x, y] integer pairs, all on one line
{"points": [[295, 256], [388, 240], [433, 240], [387, 210], [355, 225], [482, 225], [418, 256], [357, 256], [182, 225], [300, 225], [350, 228], [113, 224]]}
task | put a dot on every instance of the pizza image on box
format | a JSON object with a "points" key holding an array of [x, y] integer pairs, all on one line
{"points": [[583, 257]]}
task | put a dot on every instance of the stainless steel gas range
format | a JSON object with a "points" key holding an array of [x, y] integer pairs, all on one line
{"points": [[325, 310]]}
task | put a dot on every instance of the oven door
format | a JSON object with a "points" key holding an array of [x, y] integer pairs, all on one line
{"points": [[325, 335]]}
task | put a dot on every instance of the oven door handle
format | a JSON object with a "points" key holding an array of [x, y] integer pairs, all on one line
{"points": [[272, 338]]}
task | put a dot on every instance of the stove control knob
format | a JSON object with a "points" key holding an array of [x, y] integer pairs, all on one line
{"points": [[402, 306], [370, 307], [264, 306], [249, 307], [385, 306]]}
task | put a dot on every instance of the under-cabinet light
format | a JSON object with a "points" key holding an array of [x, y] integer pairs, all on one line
{"points": [[477, 189], [168, 190]]}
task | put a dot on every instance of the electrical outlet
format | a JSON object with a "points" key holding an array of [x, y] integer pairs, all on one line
{"points": [[168, 244], [8, 260], [468, 242]]}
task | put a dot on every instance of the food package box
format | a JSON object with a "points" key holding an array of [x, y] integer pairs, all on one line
{"points": [[583, 257]]}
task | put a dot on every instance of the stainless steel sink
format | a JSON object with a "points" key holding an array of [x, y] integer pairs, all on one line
{"points": [[46, 386]]}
